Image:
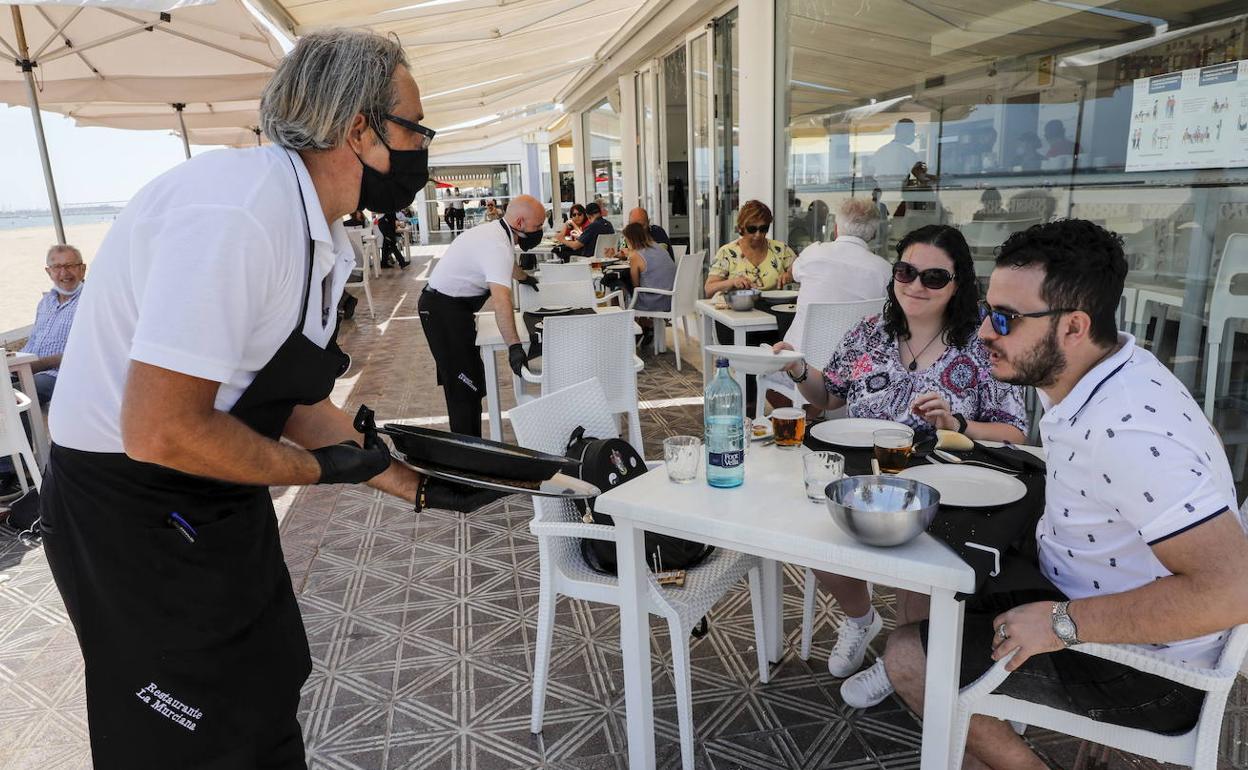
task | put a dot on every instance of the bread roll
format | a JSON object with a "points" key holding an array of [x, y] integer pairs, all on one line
{"points": [[951, 439]]}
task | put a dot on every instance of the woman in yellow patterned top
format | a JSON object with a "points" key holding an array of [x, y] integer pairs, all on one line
{"points": [[753, 260]]}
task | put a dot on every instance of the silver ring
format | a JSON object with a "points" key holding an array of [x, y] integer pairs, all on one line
{"points": [[1001, 632]]}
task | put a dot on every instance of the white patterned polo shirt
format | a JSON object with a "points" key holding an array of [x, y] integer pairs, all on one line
{"points": [[1132, 461]]}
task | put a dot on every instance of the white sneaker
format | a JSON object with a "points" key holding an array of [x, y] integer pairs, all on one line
{"points": [[851, 646], [868, 688]]}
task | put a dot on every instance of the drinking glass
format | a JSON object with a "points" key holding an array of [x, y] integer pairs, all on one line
{"points": [[682, 456], [819, 470], [789, 424], [892, 448]]}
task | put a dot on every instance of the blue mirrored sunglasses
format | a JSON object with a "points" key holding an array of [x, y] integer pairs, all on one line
{"points": [[1001, 320]]}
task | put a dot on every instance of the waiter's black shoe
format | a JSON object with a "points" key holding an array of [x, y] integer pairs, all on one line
{"points": [[404, 263], [450, 496], [348, 306]]}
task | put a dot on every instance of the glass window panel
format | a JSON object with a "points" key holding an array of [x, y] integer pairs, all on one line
{"points": [[602, 131], [700, 162]]}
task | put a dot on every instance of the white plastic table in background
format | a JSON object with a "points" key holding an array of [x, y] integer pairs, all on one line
{"points": [[490, 341], [19, 364], [793, 530], [740, 321]]}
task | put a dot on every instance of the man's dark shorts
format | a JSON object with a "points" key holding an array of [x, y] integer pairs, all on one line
{"points": [[1071, 681]]}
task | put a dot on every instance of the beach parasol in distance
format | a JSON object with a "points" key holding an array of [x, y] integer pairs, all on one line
{"points": [[153, 52]]}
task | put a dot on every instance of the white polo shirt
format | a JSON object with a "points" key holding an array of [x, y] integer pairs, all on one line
{"points": [[841, 271], [479, 257], [202, 273], [1132, 461]]}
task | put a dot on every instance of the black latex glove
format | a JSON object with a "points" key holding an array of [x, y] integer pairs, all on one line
{"points": [[450, 496], [516, 357], [530, 281], [349, 463]]}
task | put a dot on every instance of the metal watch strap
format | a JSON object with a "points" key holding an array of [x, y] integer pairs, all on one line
{"points": [[805, 372], [1061, 617]]}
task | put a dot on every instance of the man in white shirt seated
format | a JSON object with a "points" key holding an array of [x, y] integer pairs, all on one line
{"points": [[843, 270], [1140, 541]]}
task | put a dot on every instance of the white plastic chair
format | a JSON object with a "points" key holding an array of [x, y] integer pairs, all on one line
{"points": [[684, 293], [823, 327], [679, 250], [1224, 307], [1197, 748], [566, 293], [605, 241], [545, 425], [555, 272], [576, 348], [361, 249], [13, 443]]}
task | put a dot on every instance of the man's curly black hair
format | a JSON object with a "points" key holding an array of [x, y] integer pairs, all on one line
{"points": [[962, 312], [1084, 269]]}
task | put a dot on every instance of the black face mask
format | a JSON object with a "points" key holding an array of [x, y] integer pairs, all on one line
{"points": [[527, 240], [409, 172]]}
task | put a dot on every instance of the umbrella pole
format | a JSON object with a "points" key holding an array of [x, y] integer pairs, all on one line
{"points": [[256, 131], [186, 142], [28, 71]]}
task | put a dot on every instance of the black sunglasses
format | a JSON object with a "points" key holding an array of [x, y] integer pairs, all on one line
{"points": [[1001, 320], [751, 229], [427, 133], [931, 278]]}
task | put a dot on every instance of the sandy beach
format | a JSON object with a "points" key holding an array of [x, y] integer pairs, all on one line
{"points": [[22, 277]]}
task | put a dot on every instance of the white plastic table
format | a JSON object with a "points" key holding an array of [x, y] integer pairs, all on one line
{"points": [[740, 321], [490, 341], [770, 516], [19, 364]]}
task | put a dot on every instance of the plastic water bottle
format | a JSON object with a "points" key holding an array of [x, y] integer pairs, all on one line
{"points": [[724, 426]]}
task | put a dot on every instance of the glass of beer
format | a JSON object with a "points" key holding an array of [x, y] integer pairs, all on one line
{"points": [[892, 448], [789, 424]]}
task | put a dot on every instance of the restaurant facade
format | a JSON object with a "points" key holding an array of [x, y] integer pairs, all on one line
{"points": [[986, 116]]}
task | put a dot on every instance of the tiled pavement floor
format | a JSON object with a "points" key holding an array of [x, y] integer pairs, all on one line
{"points": [[421, 627]]}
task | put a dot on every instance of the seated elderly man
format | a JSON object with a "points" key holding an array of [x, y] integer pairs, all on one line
{"points": [[1140, 542], [54, 315], [843, 270]]}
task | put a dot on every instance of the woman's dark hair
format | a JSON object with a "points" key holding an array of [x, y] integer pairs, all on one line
{"points": [[638, 236], [962, 312], [576, 209]]}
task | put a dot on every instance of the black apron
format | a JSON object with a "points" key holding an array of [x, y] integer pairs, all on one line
{"points": [[195, 651], [450, 327]]}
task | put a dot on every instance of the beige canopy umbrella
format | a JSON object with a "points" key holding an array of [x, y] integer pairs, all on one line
{"points": [[162, 52], [186, 120], [228, 137]]}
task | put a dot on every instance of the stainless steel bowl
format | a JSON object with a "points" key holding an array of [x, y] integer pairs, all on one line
{"points": [[743, 299], [882, 510]]}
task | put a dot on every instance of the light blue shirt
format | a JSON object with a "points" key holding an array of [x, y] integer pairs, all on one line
{"points": [[52, 321]]}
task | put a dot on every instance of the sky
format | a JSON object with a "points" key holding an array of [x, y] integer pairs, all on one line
{"points": [[88, 164]]}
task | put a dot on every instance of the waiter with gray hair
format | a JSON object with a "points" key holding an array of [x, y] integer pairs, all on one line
{"points": [[197, 374]]}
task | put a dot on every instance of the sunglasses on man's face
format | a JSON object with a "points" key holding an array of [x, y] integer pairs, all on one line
{"points": [[931, 278], [751, 229], [1001, 320]]}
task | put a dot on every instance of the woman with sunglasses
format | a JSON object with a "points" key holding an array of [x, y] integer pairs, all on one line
{"points": [[570, 231], [752, 261], [919, 362]]}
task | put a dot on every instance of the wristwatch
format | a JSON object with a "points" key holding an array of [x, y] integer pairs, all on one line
{"points": [[802, 376], [1064, 624], [961, 422]]}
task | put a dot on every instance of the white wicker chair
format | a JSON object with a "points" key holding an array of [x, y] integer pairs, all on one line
{"points": [[568, 293], [1197, 748], [576, 348], [554, 272], [13, 443], [545, 424], [684, 294], [362, 251], [824, 325]]}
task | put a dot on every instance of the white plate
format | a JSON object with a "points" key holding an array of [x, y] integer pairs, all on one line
{"points": [[854, 431], [767, 433], [778, 294], [1036, 451], [789, 308], [754, 360], [968, 486]]}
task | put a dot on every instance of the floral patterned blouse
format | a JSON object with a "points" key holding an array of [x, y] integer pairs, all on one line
{"points": [[866, 371], [730, 261]]}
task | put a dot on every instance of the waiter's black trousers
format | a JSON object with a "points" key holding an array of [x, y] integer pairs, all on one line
{"points": [[451, 330]]}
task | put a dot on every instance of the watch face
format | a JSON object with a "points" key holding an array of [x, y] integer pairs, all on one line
{"points": [[1064, 628]]}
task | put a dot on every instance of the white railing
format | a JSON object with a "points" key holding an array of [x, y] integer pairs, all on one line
{"points": [[7, 339]]}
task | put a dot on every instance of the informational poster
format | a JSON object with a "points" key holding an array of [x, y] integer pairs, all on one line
{"points": [[1196, 118]]}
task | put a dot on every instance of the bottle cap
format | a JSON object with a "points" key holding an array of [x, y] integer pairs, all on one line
{"points": [[721, 363]]}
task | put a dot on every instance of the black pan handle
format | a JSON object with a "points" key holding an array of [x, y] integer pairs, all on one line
{"points": [[366, 423]]}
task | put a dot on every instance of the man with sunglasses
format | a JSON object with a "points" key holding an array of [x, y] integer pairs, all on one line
{"points": [[1140, 542], [198, 373]]}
